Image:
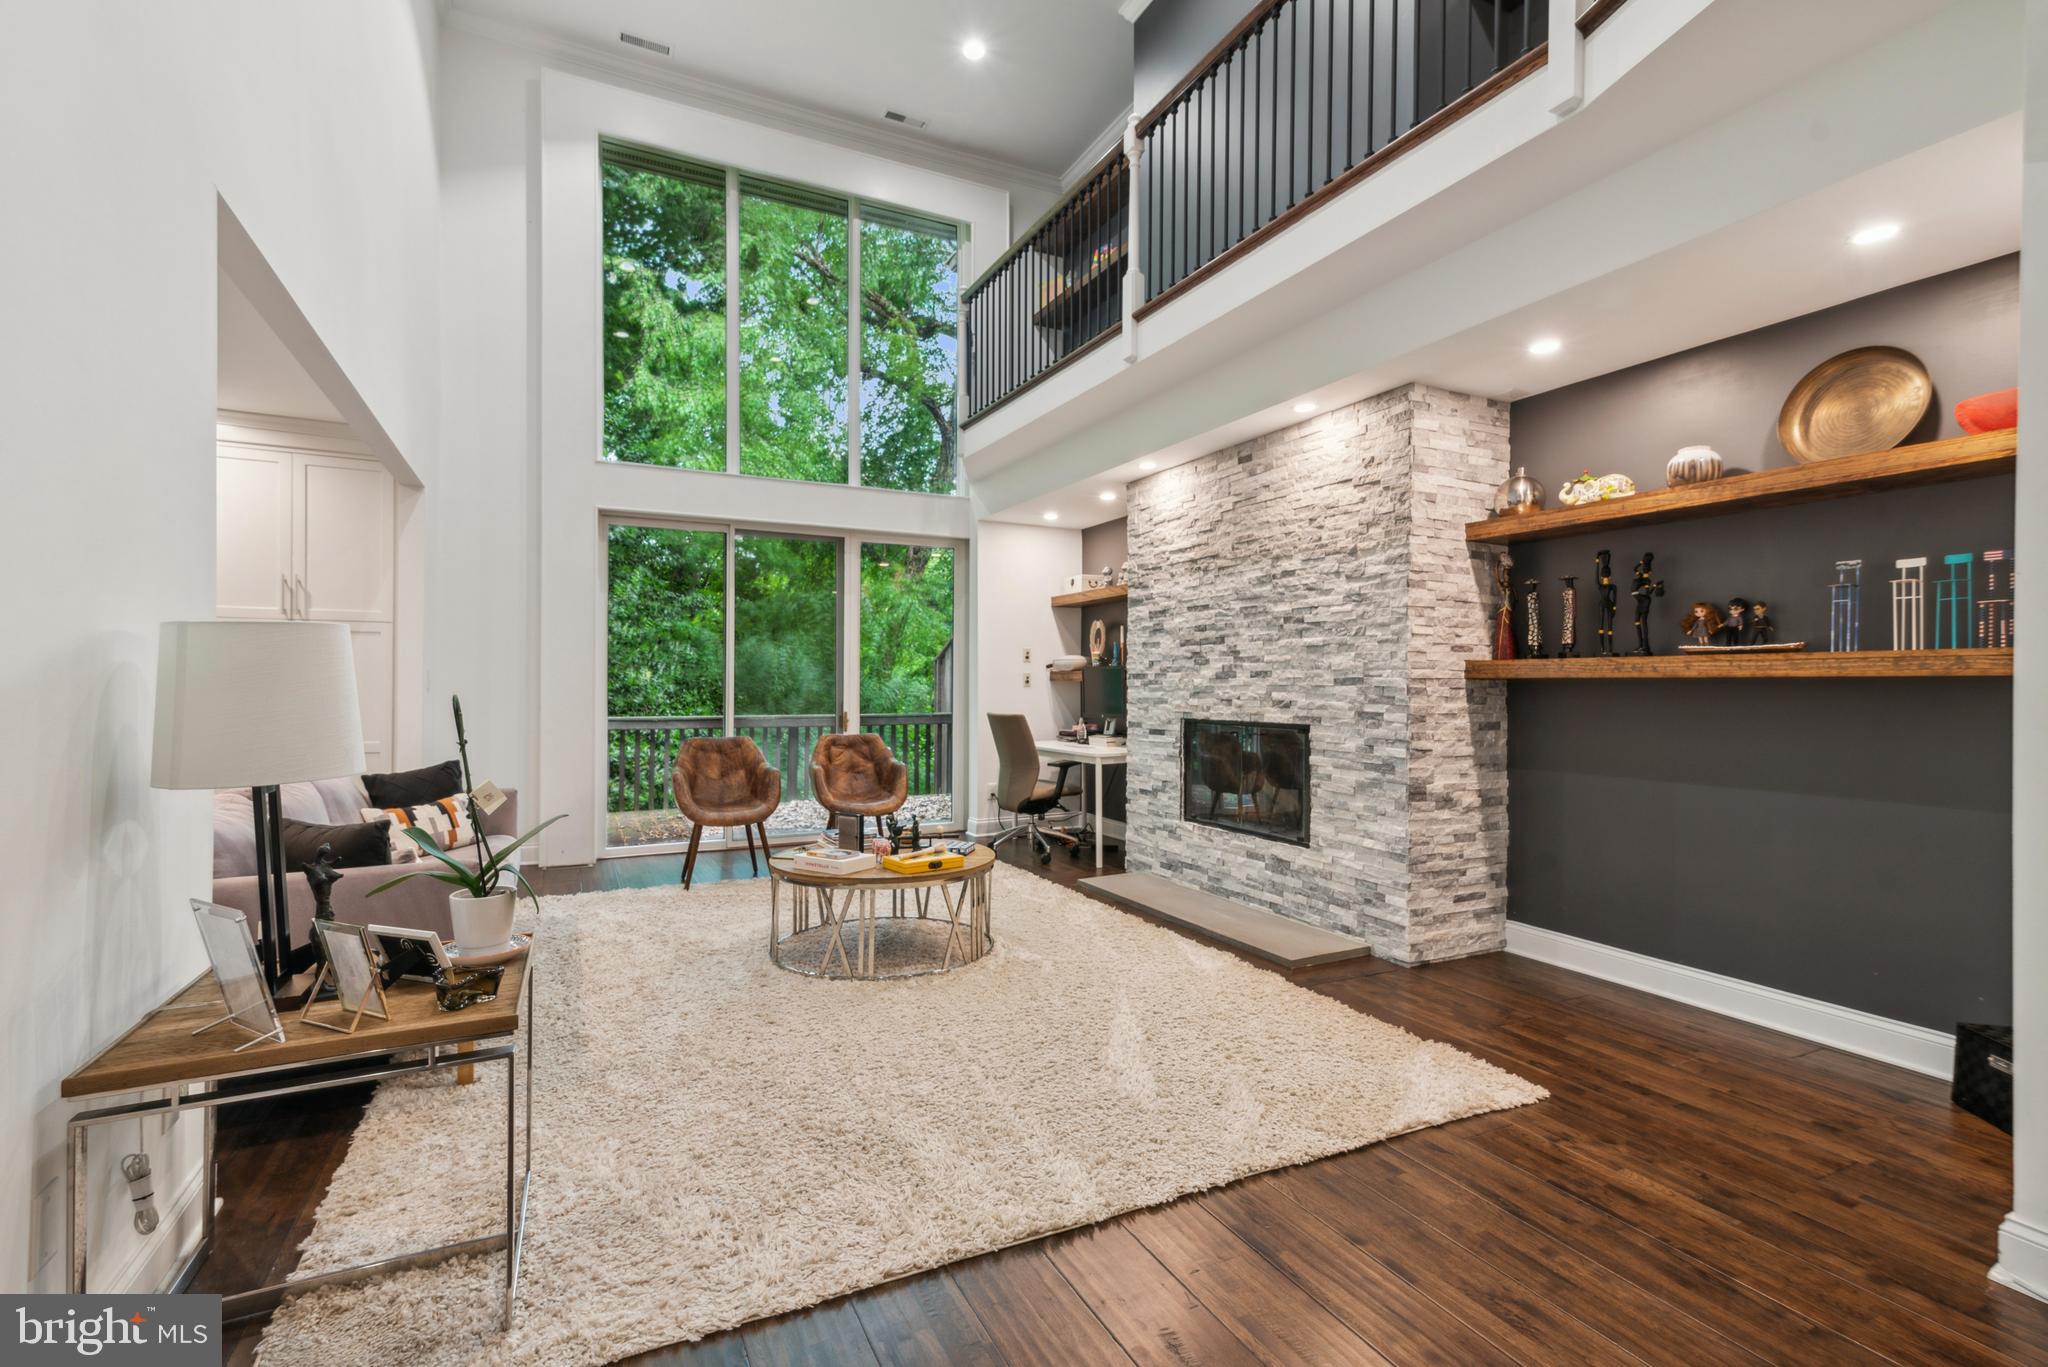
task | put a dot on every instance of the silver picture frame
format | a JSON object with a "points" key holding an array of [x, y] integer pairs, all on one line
{"points": [[348, 964], [231, 951]]}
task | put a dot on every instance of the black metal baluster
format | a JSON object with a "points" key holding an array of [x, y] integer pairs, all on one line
{"points": [[1251, 180]]}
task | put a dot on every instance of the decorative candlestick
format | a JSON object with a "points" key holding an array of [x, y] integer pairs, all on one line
{"points": [[1603, 568], [1504, 612], [1568, 634], [1532, 618]]}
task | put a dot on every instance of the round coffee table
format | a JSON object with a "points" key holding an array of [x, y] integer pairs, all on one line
{"points": [[905, 941]]}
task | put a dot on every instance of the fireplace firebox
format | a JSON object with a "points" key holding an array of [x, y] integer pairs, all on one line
{"points": [[1246, 776]]}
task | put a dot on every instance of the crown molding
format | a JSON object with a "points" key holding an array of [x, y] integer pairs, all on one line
{"points": [[1098, 147], [1131, 9], [753, 107]]}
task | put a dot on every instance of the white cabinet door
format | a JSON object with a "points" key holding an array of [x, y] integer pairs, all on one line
{"points": [[252, 533], [374, 686], [345, 539]]}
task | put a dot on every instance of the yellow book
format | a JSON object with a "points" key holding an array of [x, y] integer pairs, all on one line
{"points": [[931, 859]]}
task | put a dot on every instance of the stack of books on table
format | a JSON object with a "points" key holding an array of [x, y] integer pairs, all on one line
{"points": [[831, 859]]}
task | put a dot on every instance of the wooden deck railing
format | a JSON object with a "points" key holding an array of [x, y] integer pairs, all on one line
{"points": [[640, 751]]}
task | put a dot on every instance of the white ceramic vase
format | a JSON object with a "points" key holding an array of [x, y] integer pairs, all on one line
{"points": [[481, 923], [1693, 465]]}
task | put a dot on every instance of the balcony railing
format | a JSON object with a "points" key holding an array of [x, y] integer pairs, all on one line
{"points": [[1055, 294], [640, 751], [1301, 100]]}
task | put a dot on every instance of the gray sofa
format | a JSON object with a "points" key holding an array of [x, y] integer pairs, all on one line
{"points": [[421, 903]]}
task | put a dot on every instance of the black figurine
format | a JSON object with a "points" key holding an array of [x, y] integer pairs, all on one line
{"points": [[1532, 615], [1603, 567], [1731, 632], [1568, 633], [321, 876], [1759, 624], [1645, 588]]}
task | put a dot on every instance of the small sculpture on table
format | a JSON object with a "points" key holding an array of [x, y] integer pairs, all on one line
{"points": [[1644, 589], [1701, 623], [321, 876], [1568, 633], [1603, 569], [1734, 624], [1532, 613], [1504, 611], [1760, 631]]}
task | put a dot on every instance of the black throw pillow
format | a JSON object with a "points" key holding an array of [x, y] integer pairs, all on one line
{"points": [[354, 846], [414, 787]]}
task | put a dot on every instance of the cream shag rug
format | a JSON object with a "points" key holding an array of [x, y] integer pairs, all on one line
{"points": [[720, 1140]]}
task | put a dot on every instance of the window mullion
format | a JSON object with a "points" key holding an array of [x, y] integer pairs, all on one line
{"points": [[732, 322], [853, 376]]}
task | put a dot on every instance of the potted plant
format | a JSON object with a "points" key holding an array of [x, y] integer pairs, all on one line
{"points": [[480, 907]]}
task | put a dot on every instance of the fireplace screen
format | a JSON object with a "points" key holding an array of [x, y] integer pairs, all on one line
{"points": [[1248, 776]]}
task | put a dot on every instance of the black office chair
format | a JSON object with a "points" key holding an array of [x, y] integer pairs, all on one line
{"points": [[1019, 789]]}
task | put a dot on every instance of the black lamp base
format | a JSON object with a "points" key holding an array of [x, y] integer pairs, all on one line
{"points": [[273, 914]]}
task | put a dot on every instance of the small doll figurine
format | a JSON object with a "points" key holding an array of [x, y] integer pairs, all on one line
{"points": [[879, 846], [1759, 624], [1733, 623], [1701, 623]]}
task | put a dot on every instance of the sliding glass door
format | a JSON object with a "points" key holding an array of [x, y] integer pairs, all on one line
{"points": [[769, 634]]}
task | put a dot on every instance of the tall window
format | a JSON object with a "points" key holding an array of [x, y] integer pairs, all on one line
{"points": [[664, 312], [909, 350], [817, 281]]}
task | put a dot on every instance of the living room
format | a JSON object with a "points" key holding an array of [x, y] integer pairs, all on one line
{"points": [[1364, 658]]}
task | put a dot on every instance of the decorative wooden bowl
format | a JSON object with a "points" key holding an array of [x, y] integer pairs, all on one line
{"points": [[1869, 399]]}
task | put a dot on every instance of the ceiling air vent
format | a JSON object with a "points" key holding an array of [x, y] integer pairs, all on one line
{"points": [[635, 40], [893, 117]]}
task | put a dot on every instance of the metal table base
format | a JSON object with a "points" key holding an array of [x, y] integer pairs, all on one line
{"points": [[291, 1079]]}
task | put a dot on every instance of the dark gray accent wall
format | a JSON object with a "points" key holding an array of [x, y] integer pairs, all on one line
{"points": [[1170, 37], [1845, 840], [1105, 546]]}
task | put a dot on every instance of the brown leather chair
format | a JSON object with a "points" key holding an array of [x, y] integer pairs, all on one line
{"points": [[724, 781], [854, 774]]}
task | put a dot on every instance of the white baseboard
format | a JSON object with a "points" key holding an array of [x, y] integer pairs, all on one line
{"points": [[2022, 1257], [157, 1258], [1909, 1046]]}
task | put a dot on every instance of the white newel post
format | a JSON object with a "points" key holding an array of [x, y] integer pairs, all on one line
{"points": [[2023, 1238], [1567, 59], [1134, 265]]}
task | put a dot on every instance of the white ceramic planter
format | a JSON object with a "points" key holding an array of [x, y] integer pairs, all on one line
{"points": [[481, 923]]}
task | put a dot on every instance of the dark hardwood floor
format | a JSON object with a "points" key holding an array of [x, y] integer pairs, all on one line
{"points": [[1696, 1190]]}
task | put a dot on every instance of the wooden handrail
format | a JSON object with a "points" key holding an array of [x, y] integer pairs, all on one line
{"points": [[1202, 70]]}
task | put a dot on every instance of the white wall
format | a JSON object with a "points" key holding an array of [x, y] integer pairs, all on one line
{"points": [[1019, 569], [2023, 1239], [124, 121]]}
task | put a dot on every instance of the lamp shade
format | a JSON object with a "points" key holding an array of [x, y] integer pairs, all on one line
{"points": [[250, 704]]}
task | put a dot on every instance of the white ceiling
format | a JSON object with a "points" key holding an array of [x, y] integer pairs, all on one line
{"points": [[257, 373], [1056, 73]]}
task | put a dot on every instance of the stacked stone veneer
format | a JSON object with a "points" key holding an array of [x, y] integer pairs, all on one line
{"points": [[1321, 575]]}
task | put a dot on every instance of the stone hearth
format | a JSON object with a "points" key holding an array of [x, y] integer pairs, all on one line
{"points": [[1320, 575]]}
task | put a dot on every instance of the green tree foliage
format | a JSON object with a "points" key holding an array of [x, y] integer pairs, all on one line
{"points": [[665, 403]]}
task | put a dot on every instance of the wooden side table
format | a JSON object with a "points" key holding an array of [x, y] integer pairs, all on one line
{"points": [[204, 1071]]}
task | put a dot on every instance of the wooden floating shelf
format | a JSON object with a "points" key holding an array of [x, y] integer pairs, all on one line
{"points": [[1805, 664], [1109, 593], [1064, 675], [1097, 275], [1934, 462]]}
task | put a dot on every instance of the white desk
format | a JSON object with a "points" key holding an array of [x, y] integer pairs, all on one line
{"points": [[1097, 757]]}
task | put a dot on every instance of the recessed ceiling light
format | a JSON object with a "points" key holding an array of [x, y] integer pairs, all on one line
{"points": [[1148, 465], [974, 49], [1050, 517], [1545, 346], [1107, 495], [1873, 234], [1305, 406]]}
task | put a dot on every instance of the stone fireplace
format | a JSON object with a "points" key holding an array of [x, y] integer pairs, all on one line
{"points": [[1319, 579], [1246, 776]]}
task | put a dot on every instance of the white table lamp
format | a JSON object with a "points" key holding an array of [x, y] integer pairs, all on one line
{"points": [[253, 705]]}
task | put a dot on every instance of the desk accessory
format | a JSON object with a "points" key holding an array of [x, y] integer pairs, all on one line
{"points": [[238, 973]]}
